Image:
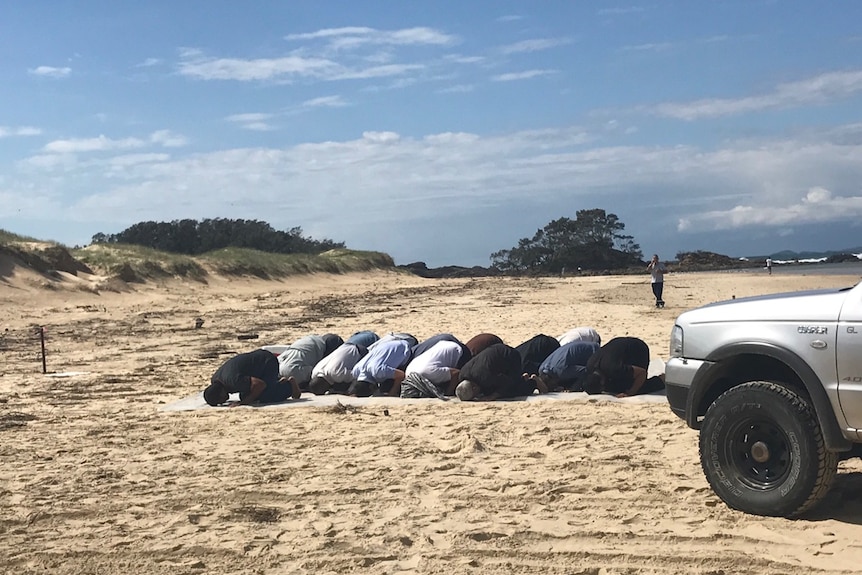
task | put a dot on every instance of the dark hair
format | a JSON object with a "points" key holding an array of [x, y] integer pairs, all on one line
{"points": [[214, 393], [594, 383], [319, 386]]}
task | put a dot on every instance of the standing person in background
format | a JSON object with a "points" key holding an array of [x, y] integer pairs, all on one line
{"points": [[657, 271], [769, 265]]}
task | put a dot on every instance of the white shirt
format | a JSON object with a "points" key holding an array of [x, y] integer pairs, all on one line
{"points": [[435, 362], [580, 334], [656, 270], [336, 367]]}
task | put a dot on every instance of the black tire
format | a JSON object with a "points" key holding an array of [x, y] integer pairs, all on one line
{"points": [[762, 451]]}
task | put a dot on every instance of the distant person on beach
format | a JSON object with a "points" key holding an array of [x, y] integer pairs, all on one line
{"points": [[333, 373], [434, 372], [494, 373], [566, 367], [534, 351], [254, 375], [769, 265], [381, 371], [620, 368], [657, 271], [580, 334], [479, 342], [296, 362]]}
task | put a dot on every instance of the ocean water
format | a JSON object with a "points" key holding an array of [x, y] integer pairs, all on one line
{"points": [[847, 268]]}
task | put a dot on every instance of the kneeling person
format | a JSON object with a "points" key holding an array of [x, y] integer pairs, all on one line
{"points": [[254, 375]]}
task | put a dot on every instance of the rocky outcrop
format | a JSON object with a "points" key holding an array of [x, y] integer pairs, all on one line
{"points": [[422, 270]]}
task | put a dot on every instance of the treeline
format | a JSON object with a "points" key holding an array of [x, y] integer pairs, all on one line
{"points": [[192, 237], [594, 240]]}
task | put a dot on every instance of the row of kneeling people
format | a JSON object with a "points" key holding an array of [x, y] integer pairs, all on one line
{"points": [[396, 364]]}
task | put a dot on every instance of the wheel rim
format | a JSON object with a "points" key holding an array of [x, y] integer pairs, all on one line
{"points": [[760, 453]]}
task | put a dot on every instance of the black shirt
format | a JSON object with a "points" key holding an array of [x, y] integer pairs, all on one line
{"points": [[536, 350], [236, 373], [496, 369], [615, 359]]}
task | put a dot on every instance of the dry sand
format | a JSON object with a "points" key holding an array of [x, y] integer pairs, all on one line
{"points": [[94, 479]]}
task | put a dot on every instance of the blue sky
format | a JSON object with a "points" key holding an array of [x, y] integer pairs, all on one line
{"points": [[437, 131]]}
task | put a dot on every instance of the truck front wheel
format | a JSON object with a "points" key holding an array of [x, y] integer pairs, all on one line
{"points": [[762, 451]]}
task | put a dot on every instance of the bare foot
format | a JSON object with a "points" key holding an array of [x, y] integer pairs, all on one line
{"points": [[540, 383]]}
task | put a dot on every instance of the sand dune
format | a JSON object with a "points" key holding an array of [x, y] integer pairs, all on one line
{"points": [[95, 479]]}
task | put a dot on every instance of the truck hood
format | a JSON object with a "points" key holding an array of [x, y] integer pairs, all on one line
{"points": [[805, 306]]}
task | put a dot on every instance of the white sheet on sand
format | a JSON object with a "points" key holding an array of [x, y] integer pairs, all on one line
{"points": [[196, 401]]}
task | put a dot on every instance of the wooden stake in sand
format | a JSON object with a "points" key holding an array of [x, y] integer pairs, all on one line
{"points": [[42, 340]]}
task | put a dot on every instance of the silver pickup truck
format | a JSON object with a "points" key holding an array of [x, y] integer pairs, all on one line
{"points": [[774, 384]]}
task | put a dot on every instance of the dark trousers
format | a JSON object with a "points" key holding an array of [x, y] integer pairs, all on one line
{"points": [[657, 289]]}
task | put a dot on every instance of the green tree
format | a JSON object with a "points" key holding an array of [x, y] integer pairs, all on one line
{"points": [[593, 240]]}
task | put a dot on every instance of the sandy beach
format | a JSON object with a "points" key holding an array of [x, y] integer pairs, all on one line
{"points": [[96, 479]]}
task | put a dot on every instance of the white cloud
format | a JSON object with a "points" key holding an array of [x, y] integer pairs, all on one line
{"points": [[457, 89], [525, 75], [510, 18], [103, 143], [651, 47], [325, 102], [356, 37], [168, 139], [250, 117], [384, 180], [98, 144], [381, 137], [149, 62], [50, 71], [818, 205], [6, 131], [534, 45], [259, 69], [819, 89], [460, 59], [254, 121], [129, 160]]}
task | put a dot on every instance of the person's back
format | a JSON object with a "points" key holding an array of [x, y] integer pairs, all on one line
{"points": [[480, 342], [334, 372], [433, 373], [297, 361], [253, 375], [496, 371], [365, 338], [383, 364], [580, 334], [615, 361], [567, 365], [535, 350], [427, 344], [394, 336], [437, 362]]}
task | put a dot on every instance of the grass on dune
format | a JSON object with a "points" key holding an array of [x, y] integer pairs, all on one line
{"points": [[137, 263], [241, 261]]}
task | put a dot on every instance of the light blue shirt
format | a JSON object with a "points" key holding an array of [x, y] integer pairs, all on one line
{"points": [[382, 361]]}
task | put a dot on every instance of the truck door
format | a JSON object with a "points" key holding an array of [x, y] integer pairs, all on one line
{"points": [[848, 357]]}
